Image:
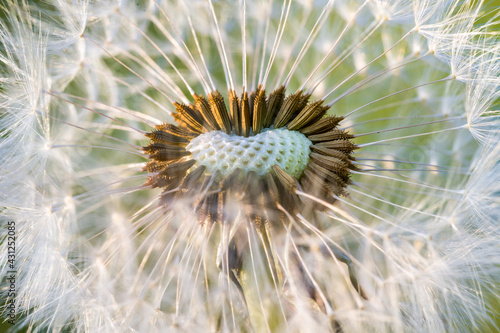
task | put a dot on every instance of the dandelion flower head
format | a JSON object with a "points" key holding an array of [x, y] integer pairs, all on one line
{"points": [[292, 166]]}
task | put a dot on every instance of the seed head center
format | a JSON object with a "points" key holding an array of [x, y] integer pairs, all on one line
{"points": [[223, 153], [260, 150]]}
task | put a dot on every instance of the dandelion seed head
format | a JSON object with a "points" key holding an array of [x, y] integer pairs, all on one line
{"points": [[260, 150], [394, 228]]}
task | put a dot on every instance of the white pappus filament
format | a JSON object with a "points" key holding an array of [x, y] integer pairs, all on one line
{"points": [[251, 166]]}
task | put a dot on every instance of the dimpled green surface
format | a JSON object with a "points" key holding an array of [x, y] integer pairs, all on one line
{"points": [[222, 153]]}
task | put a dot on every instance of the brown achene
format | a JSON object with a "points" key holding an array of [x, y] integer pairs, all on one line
{"points": [[263, 198]]}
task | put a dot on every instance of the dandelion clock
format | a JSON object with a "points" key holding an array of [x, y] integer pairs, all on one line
{"points": [[250, 166]]}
